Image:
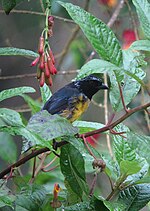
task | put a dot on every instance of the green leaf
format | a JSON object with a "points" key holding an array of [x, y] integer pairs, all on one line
{"points": [[122, 149], [10, 117], [100, 36], [8, 149], [8, 5], [49, 126], [135, 197], [97, 66], [10, 51], [6, 198], [15, 92], [33, 104], [141, 45], [114, 206], [133, 76], [143, 11], [129, 167], [72, 167], [45, 93], [141, 143], [85, 126], [32, 197]]}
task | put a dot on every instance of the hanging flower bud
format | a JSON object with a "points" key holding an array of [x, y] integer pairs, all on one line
{"points": [[35, 61], [50, 21], [52, 56], [41, 45], [42, 79], [46, 70], [49, 81], [53, 69], [42, 60], [38, 73]]}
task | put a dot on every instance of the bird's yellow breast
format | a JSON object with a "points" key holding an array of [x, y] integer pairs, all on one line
{"points": [[79, 106]]}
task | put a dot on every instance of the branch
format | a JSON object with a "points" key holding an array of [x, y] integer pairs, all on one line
{"points": [[112, 125], [108, 127], [23, 160]]}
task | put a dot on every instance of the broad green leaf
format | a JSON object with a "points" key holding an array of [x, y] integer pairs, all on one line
{"points": [[33, 104], [10, 117], [141, 45], [10, 51], [132, 179], [6, 197], [114, 206], [8, 5], [49, 126], [15, 92], [143, 11], [133, 76], [8, 149], [32, 197], [141, 143], [45, 93], [135, 197], [85, 126], [129, 167], [72, 167], [82, 206], [122, 149], [100, 36], [143, 180], [97, 66]]}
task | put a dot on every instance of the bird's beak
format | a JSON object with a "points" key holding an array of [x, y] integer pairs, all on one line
{"points": [[103, 86]]}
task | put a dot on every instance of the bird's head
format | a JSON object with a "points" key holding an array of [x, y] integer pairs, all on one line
{"points": [[90, 85]]}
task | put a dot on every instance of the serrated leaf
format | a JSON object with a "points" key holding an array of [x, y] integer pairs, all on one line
{"points": [[141, 45], [100, 36], [97, 66], [141, 143], [10, 117], [122, 149], [10, 51], [8, 5], [143, 11], [72, 167], [8, 149], [114, 206], [129, 167], [85, 126], [32, 198], [50, 126], [45, 93], [6, 197], [5, 94], [133, 61], [135, 197]]}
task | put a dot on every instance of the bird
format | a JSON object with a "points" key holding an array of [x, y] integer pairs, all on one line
{"points": [[73, 99]]}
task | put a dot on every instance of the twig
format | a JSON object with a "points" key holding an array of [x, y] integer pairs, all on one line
{"points": [[88, 148], [23, 160], [106, 116], [122, 98], [38, 13], [116, 13], [121, 119], [34, 75], [93, 184]]}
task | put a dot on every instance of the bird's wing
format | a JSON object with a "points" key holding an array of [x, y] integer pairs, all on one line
{"points": [[60, 100]]}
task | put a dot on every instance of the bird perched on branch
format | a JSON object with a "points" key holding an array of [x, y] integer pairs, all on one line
{"points": [[73, 99]]}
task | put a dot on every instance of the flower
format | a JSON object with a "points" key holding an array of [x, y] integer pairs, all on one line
{"points": [[128, 38]]}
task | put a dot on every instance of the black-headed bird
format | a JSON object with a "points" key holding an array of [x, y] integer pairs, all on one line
{"points": [[72, 100]]}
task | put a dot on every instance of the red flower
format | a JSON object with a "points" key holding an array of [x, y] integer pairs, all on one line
{"points": [[93, 139], [128, 38], [109, 3]]}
